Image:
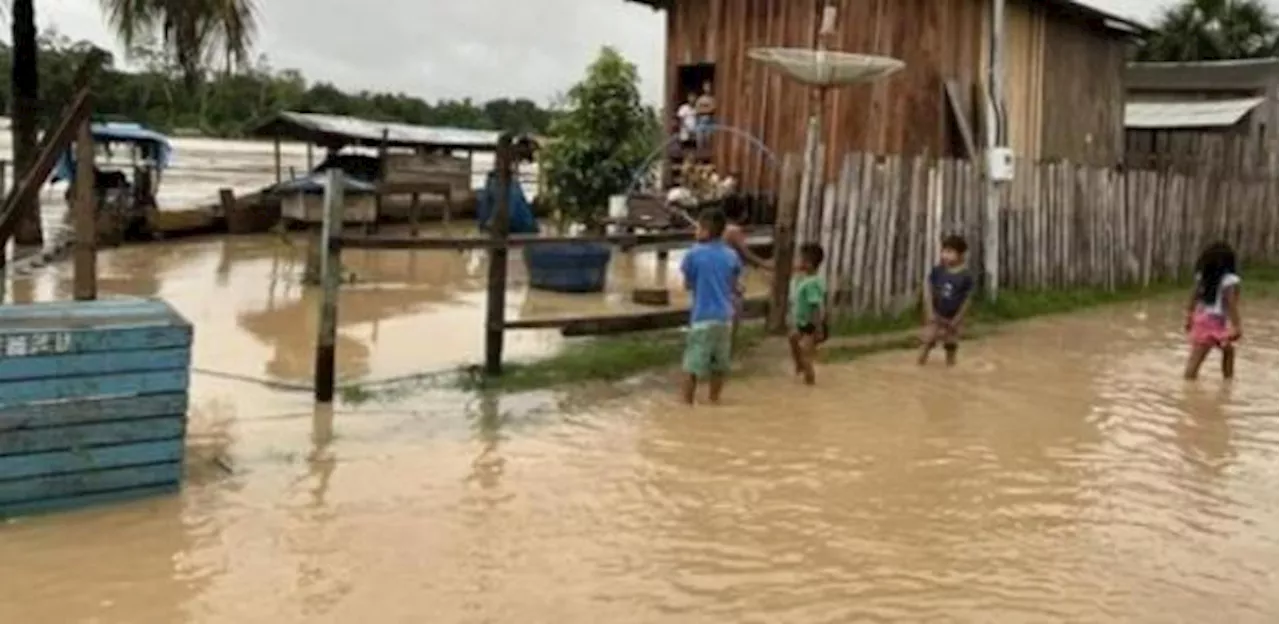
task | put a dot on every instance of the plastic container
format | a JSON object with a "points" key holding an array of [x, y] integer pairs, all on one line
{"points": [[568, 267]]}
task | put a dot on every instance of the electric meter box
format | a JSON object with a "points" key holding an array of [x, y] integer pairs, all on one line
{"points": [[1000, 164]]}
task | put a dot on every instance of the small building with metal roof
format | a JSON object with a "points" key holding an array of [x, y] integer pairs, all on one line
{"points": [[1170, 106]]}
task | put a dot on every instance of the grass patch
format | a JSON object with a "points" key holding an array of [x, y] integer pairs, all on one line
{"points": [[616, 358]]}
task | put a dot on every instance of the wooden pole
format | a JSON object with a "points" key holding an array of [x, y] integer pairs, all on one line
{"points": [[499, 221], [784, 244], [310, 159], [330, 268], [382, 177], [85, 218], [4, 251], [279, 171]]}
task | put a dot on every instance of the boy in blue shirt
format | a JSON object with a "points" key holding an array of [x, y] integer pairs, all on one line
{"points": [[946, 299], [711, 270]]}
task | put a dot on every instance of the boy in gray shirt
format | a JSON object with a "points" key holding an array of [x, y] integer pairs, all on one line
{"points": [[946, 299]]}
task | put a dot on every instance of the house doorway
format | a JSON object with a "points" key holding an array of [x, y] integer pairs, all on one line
{"points": [[690, 78]]}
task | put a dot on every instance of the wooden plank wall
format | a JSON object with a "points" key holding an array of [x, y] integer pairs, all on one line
{"points": [[1025, 29], [1083, 110], [93, 402], [938, 40], [1062, 225]]}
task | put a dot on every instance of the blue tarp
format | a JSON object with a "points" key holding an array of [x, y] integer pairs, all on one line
{"points": [[521, 219], [119, 132]]}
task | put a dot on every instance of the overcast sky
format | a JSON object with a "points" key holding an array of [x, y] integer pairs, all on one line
{"points": [[450, 48]]}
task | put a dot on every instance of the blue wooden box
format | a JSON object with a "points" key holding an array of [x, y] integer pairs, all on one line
{"points": [[93, 402], [568, 267]]}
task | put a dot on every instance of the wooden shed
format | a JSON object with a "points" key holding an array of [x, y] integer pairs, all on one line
{"points": [[1175, 111], [1064, 70]]}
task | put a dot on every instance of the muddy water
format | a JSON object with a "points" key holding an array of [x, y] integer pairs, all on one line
{"points": [[1062, 472], [405, 313]]}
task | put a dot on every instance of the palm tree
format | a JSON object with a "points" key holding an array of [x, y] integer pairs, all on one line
{"points": [[1210, 30], [25, 88], [195, 32]]}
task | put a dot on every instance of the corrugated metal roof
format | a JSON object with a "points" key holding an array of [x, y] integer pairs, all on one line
{"points": [[1232, 75], [1193, 114], [340, 129], [1090, 10]]}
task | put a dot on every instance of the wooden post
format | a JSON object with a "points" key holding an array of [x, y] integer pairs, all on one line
{"points": [[310, 159], [382, 177], [4, 279], [413, 214], [499, 221], [784, 244], [330, 268], [85, 218], [279, 171]]}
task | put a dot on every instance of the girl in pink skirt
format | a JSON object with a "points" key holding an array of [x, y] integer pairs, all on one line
{"points": [[1213, 313]]}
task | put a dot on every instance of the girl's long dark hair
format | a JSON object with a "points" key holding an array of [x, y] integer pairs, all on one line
{"points": [[1215, 261]]}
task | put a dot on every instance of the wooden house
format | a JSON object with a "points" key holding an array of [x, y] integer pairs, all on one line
{"points": [[1172, 108], [1064, 67]]}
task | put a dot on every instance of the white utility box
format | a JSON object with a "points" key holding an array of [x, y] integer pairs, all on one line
{"points": [[1000, 164]]}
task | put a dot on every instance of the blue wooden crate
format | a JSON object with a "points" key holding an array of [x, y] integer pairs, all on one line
{"points": [[93, 402]]}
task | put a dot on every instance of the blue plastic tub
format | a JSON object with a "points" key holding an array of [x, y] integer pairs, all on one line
{"points": [[568, 267]]}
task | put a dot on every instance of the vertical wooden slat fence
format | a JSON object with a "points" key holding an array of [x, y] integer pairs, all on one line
{"points": [[1061, 225]]}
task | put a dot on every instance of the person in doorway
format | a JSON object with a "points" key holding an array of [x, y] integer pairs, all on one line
{"points": [[705, 107], [687, 120], [710, 271], [808, 311], [947, 293], [1213, 311]]}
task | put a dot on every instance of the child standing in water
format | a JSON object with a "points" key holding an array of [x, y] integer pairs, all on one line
{"points": [[1213, 312], [711, 270], [946, 299], [808, 311], [736, 238]]}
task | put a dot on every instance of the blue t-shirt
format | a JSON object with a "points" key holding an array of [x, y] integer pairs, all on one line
{"points": [[711, 270], [949, 289]]}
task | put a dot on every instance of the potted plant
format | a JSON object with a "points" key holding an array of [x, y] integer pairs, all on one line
{"points": [[596, 145]]}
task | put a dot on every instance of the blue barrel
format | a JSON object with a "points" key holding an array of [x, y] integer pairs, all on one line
{"points": [[568, 267]]}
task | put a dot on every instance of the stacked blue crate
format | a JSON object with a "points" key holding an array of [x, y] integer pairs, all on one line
{"points": [[93, 402]]}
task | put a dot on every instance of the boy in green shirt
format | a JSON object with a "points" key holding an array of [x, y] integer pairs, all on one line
{"points": [[808, 312]]}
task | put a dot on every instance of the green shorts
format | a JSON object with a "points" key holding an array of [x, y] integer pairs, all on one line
{"points": [[708, 348]]}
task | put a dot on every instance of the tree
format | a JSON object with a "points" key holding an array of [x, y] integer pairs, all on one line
{"points": [[194, 32], [598, 143], [1211, 30], [24, 76]]}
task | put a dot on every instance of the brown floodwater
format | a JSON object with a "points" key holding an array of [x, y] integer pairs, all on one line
{"points": [[1062, 472]]}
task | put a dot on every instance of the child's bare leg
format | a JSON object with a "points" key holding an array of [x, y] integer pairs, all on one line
{"points": [[1194, 360], [793, 340], [1228, 361], [715, 387], [688, 388], [928, 338], [950, 344], [807, 352]]}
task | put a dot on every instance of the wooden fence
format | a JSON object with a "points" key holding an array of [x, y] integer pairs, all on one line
{"points": [[1061, 225]]}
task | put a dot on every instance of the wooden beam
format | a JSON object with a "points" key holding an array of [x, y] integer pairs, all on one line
{"points": [[85, 217], [52, 147], [496, 302], [784, 243], [330, 270], [409, 188], [625, 323], [624, 240]]}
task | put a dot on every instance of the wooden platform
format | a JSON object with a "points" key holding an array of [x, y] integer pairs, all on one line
{"points": [[93, 402], [624, 323]]}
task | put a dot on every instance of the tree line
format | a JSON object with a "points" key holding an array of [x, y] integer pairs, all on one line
{"points": [[228, 103]]}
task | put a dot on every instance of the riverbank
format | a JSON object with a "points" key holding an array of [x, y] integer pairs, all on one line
{"points": [[617, 358]]}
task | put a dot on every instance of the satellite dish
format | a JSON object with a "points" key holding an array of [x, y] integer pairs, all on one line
{"points": [[822, 68]]}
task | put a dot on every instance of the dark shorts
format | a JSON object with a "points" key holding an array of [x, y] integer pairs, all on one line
{"points": [[811, 329]]}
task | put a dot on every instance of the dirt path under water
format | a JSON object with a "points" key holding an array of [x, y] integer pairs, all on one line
{"points": [[1062, 472]]}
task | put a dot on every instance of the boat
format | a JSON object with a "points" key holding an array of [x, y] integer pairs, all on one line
{"points": [[126, 193]]}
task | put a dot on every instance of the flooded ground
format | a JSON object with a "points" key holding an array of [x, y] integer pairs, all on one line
{"points": [[1061, 473]]}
